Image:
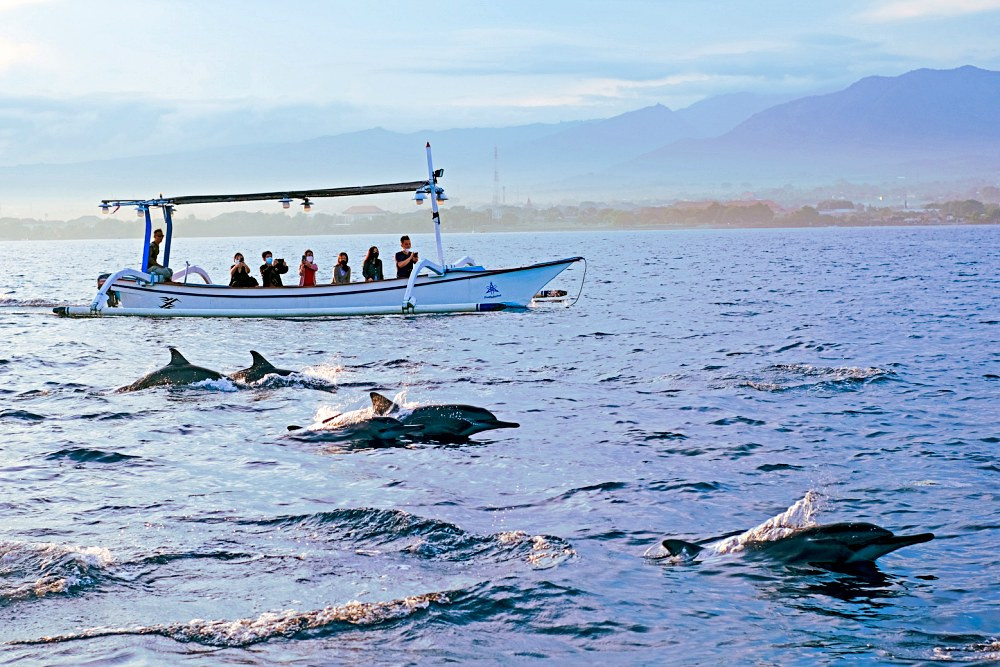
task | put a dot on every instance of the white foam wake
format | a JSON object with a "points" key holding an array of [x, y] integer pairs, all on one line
{"points": [[329, 417], [246, 631], [795, 518], [326, 372]]}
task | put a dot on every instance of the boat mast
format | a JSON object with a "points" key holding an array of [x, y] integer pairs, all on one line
{"points": [[144, 211], [435, 215]]}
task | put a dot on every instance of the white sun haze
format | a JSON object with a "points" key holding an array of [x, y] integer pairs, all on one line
{"points": [[900, 10]]}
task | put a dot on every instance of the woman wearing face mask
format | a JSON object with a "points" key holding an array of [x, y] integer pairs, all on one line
{"points": [[341, 272], [307, 270], [239, 273], [371, 270]]}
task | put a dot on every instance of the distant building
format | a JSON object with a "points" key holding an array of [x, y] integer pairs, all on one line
{"points": [[363, 213]]}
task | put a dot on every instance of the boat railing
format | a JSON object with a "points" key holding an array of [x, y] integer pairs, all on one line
{"points": [[188, 270], [102, 293], [409, 303]]}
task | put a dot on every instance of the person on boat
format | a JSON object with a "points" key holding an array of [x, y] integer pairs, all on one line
{"points": [[405, 259], [341, 272], [154, 251], [271, 270], [307, 270], [371, 270], [239, 273]]}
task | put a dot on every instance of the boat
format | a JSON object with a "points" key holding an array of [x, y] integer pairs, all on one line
{"points": [[433, 286]]}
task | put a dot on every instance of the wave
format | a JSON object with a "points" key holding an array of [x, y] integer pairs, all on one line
{"points": [[296, 380], [30, 303], [22, 415], [287, 624], [84, 455], [36, 570], [115, 416], [374, 530], [836, 374], [784, 377], [981, 652], [390, 363]]}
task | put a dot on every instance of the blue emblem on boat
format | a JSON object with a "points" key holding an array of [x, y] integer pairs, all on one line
{"points": [[492, 291], [168, 302]]}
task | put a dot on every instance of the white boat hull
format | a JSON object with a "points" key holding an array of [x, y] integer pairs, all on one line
{"points": [[459, 290]]}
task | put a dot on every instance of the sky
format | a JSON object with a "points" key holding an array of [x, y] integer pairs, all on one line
{"points": [[96, 79]]}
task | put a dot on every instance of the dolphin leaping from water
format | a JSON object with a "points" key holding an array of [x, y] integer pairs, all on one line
{"points": [[793, 537], [832, 544], [179, 371], [442, 423]]}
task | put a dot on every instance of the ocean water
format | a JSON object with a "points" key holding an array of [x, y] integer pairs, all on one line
{"points": [[705, 382]]}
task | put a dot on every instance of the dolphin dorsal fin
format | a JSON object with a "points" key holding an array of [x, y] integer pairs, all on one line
{"points": [[382, 405], [177, 359], [259, 360], [681, 548]]}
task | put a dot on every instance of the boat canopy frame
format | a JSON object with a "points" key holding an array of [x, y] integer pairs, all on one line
{"points": [[427, 189]]}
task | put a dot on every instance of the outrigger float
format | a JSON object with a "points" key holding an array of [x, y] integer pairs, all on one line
{"points": [[433, 287]]}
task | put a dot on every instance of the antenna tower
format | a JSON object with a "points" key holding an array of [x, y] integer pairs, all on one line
{"points": [[495, 213]]}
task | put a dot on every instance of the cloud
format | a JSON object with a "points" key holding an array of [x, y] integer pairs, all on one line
{"points": [[8, 5], [55, 130], [901, 10], [13, 53]]}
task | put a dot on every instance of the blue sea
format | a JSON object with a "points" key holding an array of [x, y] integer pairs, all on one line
{"points": [[706, 381]]}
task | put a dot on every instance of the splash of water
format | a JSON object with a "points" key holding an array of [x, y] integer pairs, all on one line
{"points": [[795, 518], [325, 372], [41, 569]]}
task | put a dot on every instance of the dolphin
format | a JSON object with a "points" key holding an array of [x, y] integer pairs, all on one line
{"points": [[258, 370], [834, 544], [442, 423], [179, 371]]}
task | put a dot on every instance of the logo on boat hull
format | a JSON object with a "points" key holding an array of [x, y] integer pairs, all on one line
{"points": [[168, 302], [492, 291]]}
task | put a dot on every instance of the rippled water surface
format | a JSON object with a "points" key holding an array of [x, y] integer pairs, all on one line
{"points": [[705, 382]]}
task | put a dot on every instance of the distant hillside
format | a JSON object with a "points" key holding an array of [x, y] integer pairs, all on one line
{"points": [[923, 124], [717, 115], [924, 107], [926, 125]]}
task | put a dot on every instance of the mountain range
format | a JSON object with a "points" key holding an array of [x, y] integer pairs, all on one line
{"points": [[925, 125]]}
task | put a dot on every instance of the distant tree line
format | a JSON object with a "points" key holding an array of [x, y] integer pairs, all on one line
{"points": [[586, 215]]}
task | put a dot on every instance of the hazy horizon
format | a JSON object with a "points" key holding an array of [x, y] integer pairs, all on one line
{"points": [[100, 83]]}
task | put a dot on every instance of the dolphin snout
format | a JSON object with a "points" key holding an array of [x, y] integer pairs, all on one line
{"points": [[503, 424]]}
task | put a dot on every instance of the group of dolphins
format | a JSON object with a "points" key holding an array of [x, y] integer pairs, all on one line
{"points": [[385, 422], [833, 546]]}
